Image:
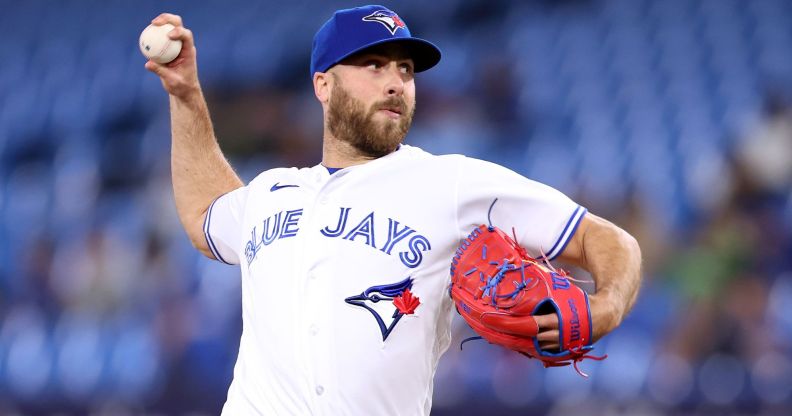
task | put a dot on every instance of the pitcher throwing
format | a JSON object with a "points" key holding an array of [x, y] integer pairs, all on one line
{"points": [[345, 265]]}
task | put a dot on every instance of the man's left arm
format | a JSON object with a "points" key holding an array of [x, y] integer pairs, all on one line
{"points": [[613, 258]]}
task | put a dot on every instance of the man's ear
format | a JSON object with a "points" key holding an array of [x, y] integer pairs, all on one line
{"points": [[322, 82]]}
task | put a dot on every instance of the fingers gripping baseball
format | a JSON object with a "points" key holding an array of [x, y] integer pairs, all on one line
{"points": [[163, 18], [180, 76]]}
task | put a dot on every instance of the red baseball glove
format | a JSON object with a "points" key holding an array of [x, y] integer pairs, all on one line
{"points": [[497, 288]]}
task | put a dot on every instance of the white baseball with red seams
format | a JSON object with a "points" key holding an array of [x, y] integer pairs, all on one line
{"points": [[157, 46]]}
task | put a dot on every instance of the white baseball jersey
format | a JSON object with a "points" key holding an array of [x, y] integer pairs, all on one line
{"points": [[345, 276]]}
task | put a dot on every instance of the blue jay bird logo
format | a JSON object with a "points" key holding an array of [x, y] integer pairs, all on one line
{"points": [[383, 298], [388, 19]]}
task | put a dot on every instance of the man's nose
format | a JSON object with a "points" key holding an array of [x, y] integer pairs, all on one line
{"points": [[395, 83]]}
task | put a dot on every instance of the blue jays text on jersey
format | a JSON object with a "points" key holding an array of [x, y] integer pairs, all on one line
{"points": [[285, 224]]}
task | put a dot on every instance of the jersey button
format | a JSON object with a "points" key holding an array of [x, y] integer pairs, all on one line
{"points": [[319, 390], [314, 329]]}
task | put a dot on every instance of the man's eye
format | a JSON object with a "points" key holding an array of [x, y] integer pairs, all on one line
{"points": [[373, 65], [406, 69]]}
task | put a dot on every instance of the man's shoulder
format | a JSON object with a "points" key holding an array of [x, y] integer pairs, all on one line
{"points": [[416, 153], [267, 177], [459, 165]]}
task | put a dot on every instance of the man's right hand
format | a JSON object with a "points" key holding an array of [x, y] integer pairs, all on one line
{"points": [[180, 76]]}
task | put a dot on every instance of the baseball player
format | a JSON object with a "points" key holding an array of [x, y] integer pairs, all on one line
{"points": [[344, 265]]}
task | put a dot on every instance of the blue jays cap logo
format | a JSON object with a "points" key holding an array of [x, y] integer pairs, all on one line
{"points": [[380, 300], [388, 19]]}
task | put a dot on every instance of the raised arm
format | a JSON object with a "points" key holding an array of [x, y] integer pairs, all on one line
{"points": [[200, 171]]}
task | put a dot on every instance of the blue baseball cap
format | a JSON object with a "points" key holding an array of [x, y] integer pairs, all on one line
{"points": [[351, 30]]}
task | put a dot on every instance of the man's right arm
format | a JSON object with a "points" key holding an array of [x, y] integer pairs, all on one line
{"points": [[200, 171]]}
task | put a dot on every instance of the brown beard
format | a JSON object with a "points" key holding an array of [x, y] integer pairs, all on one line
{"points": [[348, 121]]}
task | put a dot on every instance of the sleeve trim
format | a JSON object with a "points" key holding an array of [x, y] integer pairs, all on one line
{"points": [[209, 241], [567, 233]]}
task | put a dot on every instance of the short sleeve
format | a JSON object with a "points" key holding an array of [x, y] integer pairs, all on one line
{"points": [[544, 219], [223, 225]]}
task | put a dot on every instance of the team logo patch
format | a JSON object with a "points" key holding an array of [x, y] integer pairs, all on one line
{"points": [[387, 303], [388, 19]]}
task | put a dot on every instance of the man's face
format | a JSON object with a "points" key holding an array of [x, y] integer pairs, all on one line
{"points": [[372, 101]]}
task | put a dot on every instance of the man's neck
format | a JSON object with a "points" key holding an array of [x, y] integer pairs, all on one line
{"points": [[340, 154]]}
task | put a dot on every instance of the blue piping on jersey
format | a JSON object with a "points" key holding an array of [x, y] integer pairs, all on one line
{"points": [[209, 241], [561, 243]]}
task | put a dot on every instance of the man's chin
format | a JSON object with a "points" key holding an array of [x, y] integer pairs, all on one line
{"points": [[379, 150]]}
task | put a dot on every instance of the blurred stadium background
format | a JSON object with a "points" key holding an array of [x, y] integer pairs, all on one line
{"points": [[671, 117]]}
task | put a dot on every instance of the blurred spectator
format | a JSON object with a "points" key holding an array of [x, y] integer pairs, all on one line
{"points": [[766, 153]]}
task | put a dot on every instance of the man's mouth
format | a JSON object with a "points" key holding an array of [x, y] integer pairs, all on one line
{"points": [[393, 112]]}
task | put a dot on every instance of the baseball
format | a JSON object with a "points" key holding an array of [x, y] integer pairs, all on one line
{"points": [[157, 46]]}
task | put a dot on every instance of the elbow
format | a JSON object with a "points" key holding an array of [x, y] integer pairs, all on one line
{"points": [[202, 247], [195, 232], [632, 250], [634, 264], [632, 245]]}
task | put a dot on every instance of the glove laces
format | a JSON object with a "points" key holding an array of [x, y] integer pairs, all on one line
{"points": [[579, 354]]}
